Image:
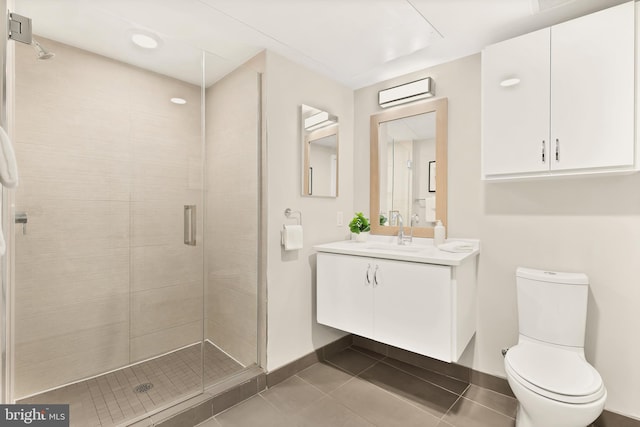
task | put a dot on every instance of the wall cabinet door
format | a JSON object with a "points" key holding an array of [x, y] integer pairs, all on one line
{"points": [[515, 113], [345, 293], [413, 307], [592, 90], [573, 109]]}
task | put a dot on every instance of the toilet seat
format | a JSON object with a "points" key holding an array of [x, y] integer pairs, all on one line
{"points": [[561, 375]]}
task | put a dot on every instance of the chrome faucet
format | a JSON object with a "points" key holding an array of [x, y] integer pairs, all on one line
{"points": [[415, 219], [403, 239], [400, 229]]}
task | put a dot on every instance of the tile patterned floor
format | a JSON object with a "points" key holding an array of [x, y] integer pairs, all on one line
{"points": [[360, 388], [109, 399]]}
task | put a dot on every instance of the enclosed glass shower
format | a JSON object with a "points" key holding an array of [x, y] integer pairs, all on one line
{"points": [[129, 286]]}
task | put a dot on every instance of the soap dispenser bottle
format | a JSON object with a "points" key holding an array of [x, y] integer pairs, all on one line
{"points": [[438, 234]]}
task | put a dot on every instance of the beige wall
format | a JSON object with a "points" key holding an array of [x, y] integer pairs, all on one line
{"points": [[292, 329], [107, 163], [587, 224], [232, 217]]}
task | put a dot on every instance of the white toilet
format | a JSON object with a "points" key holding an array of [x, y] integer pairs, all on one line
{"points": [[547, 371]]}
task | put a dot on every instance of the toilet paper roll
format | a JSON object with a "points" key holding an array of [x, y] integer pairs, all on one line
{"points": [[292, 237]]}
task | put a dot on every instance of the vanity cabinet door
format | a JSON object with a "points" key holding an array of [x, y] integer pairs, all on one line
{"points": [[592, 96], [515, 105], [345, 293], [413, 307]]}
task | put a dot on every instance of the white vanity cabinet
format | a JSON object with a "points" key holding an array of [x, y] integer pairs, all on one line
{"points": [[421, 307], [560, 100]]}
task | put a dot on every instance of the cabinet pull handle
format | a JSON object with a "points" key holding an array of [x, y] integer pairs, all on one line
{"points": [[367, 274], [557, 150], [375, 277], [543, 150]]}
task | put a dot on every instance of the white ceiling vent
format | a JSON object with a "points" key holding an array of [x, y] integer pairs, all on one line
{"points": [[543, 5]]}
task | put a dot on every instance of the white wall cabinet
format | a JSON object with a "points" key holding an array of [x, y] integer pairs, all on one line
{"points": [[572, 109], [425, 308]]}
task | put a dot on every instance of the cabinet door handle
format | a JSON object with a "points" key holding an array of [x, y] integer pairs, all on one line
{"points": [[543, 150], [557, 150], [367, 274], [375, 277]]}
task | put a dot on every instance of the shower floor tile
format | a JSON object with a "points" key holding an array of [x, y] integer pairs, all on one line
{"points": [[110, 399]]}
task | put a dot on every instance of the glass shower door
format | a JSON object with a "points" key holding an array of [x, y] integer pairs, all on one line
{"points": [[108, 298]]}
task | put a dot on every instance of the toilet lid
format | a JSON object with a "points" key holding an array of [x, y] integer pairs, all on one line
{"points": [[555, 370]]}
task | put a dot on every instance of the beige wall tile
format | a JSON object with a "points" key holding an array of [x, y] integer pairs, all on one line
{"points": [[54, 320], [156, 343], [98, 350], [165, 265], [232, 227], [162, 308], [243, 349]]}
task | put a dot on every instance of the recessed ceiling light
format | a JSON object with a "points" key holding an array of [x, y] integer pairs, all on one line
{"points": [[145, 40], [179, 101]]}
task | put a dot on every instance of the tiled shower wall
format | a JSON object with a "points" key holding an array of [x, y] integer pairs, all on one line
{"points": [[102, 277], [232, 217]]}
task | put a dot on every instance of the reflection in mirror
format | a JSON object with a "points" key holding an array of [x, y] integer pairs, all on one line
{"points": [[410, 148], [406, 145], [320, 148]]}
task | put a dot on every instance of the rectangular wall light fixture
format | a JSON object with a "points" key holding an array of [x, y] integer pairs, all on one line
{"points": [[319, 120], [408, 92]]}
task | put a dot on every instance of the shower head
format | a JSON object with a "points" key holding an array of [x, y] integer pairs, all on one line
{"points": [[42, 52]]}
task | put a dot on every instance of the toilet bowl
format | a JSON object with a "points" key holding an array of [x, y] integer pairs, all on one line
{"points": [[555, 387], [547, 370]]}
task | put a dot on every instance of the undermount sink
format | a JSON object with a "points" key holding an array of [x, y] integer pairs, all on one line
{"points": [[397, 248]]}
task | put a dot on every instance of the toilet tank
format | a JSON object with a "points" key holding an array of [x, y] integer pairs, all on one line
{"points": [[552, 306]]}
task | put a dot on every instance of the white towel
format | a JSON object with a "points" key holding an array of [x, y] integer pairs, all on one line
{"points": [[8, 166], [430, 209], [8, 172], [457, 247], [292, 237]]}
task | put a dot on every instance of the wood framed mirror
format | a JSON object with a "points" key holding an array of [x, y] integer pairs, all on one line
{"points": [[407, 143]]}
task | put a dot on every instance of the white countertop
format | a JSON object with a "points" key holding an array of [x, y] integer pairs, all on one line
{"points": [[420, 250]]}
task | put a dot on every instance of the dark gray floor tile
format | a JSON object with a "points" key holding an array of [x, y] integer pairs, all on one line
{"points": [[450, 369], [611, 419], [254, 412], [329, 413], [451, 384], [351, 361], [498, 402], [211, 422], [292, 395], [381, 407], [370, 353], [325, 377], [372, 345], [490, 382], [466, 413], [432, 398]]}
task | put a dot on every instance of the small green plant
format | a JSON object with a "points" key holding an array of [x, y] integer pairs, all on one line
{"points": [[383, 219], [359, 224]]}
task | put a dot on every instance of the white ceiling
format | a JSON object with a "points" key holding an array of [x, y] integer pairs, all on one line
{"points": [[355, 42]]}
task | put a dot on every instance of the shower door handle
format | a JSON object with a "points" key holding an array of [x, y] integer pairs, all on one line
{"points": [[190, 225]]}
